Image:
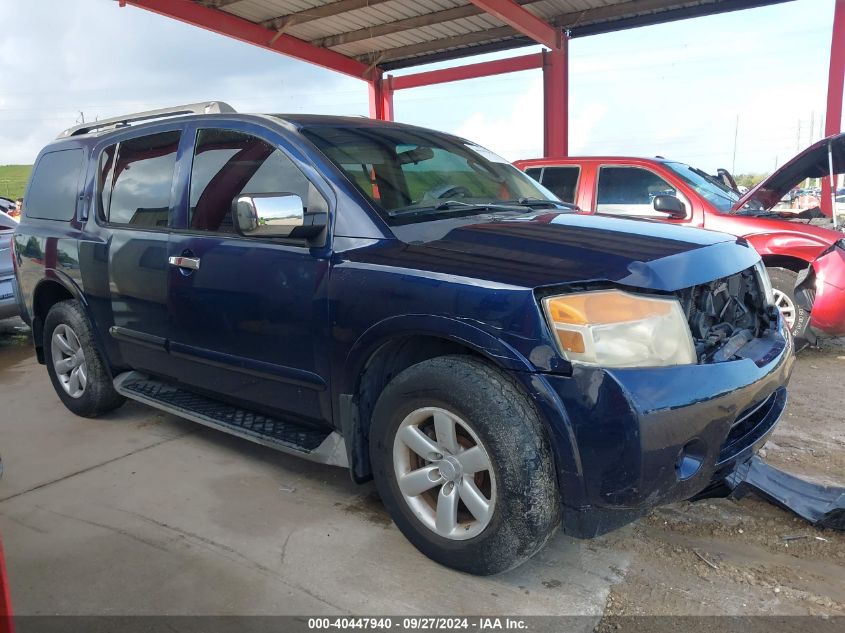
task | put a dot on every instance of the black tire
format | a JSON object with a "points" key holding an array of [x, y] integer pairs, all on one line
{"points": [[98, 395], [526, 511], [784, 280]]}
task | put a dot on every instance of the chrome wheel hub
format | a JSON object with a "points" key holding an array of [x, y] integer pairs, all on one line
{"points": [[444, 473], [69, 360], [785, 305], [450, 469]]}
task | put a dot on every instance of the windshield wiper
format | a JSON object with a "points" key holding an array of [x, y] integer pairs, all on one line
{"points": [[449, 205], [755, 212], [543, 203]]}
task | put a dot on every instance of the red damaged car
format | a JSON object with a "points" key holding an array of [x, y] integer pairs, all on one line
{"points": [[804, 251]]}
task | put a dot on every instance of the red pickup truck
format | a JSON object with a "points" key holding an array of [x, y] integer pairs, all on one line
{"points": [[805, 255]]}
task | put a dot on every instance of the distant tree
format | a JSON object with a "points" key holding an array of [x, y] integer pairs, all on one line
{"points": [[749, 180]]}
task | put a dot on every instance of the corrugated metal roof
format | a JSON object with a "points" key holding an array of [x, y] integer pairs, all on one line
{"points": [[399, 33]]}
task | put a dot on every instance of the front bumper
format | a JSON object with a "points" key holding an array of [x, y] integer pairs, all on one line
{"points": [[828, 311], [646, 437]]}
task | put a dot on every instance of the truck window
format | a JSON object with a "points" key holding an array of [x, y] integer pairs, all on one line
{"points": [[228, 163], [55, 186], [409, 170], [561, 181], [143, 180], [630, 191]]}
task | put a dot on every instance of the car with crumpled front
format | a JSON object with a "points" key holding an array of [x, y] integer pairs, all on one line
{"points": [[408, 305], [803, 250]]}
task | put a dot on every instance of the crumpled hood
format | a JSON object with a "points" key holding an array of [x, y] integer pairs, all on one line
{"points": [[813, 162], [565, 248]]}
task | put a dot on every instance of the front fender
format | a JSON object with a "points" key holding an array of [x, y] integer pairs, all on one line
{"points": [[799, 245], [548, 403], [447, 328]]}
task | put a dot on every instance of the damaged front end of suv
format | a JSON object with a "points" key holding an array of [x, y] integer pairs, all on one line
{"points": [[728, 314]]}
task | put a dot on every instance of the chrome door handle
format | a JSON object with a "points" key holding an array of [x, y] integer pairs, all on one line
{"points": [[192, 263]]}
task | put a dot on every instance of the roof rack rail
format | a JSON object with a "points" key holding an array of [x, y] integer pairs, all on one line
{"points": [[207, 107]]}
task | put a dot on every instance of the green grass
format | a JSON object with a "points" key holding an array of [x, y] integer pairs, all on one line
{"points": [[13, 180]]}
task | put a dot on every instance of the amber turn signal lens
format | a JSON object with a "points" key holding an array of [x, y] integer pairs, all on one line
{"points": [[603, 307], [571, 341]]}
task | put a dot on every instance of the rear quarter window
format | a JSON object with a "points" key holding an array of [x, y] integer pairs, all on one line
{"points": [[54, 188], [561, 181]]}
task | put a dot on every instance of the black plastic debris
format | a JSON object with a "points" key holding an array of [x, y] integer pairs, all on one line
{"points": [[823, 506]]}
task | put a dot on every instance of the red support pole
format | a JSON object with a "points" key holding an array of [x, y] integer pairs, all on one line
{"points": [[835, 91], [7, 623], [521, 19], [469, 71], [381, 97], [224, 23], [556, 100]]}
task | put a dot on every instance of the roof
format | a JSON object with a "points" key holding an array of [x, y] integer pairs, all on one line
{"points": [[563, 160], [394, 34], [214, 110]]}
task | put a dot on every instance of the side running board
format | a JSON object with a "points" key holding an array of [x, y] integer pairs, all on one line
{"points": [[325, 447]]}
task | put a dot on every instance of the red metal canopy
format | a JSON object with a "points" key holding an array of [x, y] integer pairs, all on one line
{"points": [[368, 38]]}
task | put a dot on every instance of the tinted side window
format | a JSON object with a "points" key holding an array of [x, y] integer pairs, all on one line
{"points": [[55, 186], [143, 179], [562, 181], [104, 179], [228, 163], [629, 191]]}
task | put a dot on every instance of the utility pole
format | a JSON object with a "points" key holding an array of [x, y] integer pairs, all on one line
{"points": [[736, 135], [812, 133], [812, 126]]}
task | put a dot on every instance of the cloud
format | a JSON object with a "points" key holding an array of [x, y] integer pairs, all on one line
{"points": [[673, 90], [60, 59]]}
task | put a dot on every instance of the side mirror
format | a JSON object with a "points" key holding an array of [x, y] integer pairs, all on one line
{"points": [[671, 205], [276, 215]]}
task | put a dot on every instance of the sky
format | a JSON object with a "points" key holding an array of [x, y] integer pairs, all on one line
{"points": [[684, 90]]}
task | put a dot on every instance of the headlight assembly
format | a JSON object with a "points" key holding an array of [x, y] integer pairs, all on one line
{"points": [[612, 328]]}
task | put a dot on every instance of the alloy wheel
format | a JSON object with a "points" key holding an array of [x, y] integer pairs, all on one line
{"points": [[785, 305], [69, 360], [444, 473]]}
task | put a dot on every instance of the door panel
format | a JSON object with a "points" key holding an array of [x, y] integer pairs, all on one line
{"points": [[135, 187], [246, 319]]}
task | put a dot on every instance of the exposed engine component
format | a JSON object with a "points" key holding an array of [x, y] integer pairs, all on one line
{"points": [[725, 314]]}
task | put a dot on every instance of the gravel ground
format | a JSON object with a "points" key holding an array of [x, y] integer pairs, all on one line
{"points": [[749, 557]]}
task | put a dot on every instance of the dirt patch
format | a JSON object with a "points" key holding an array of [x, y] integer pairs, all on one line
{"points": [[371, 508], [747, 557]]}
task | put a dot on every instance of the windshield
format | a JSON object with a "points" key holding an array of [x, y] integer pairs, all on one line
{"points": [[414, 175], [707, 187]]}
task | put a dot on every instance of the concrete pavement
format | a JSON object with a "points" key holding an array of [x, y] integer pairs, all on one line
{"points": [[140, 512]]}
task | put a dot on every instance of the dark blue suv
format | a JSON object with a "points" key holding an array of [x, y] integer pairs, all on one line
{"points": [[406, 304]]}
